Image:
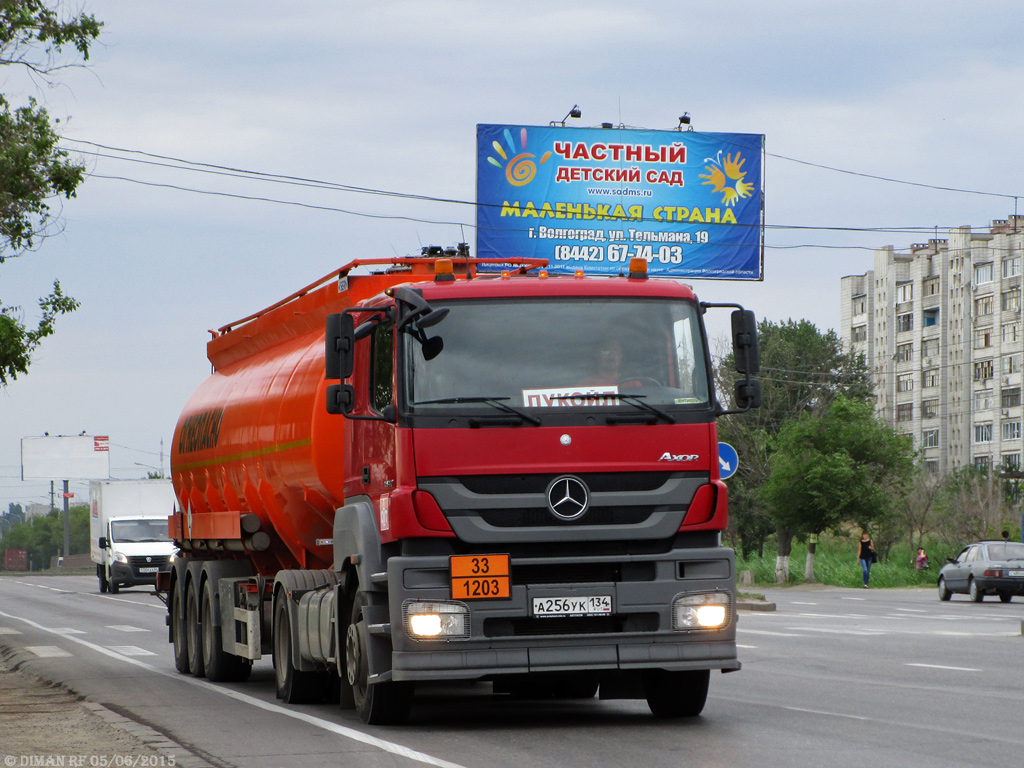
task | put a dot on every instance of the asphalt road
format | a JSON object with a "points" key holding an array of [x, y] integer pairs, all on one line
{"points": [[833, 677]]}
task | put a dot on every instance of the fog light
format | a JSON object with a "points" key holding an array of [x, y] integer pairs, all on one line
{"points": [[425, 620], [709, 610]]}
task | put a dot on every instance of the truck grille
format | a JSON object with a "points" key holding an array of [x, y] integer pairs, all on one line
{"points": [[147, 561]]}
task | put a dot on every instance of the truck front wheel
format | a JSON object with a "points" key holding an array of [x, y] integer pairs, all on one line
{"points": [[220, 666], [102, 578], [386, 703], [112, 584], [676, 694]]}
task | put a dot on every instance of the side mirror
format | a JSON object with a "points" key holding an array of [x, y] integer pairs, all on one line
{"points": [[748, 394], [744, 342], [338, 346], [104, 542], [341, 398]]}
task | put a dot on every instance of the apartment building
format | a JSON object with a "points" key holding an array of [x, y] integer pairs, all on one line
{"points": [[941, 331]]}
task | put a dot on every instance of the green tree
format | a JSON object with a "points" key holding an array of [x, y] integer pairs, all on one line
{"points": [[43, 536], [34, 36], [838, 466], [802, 371]]}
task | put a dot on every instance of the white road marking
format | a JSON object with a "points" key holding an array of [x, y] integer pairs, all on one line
{"points": [[68, 631], [327, 725], [130, 650], [940, 666], [126, 628], [827, 714], [9, 631], [797, 602], [747, 647], [47, 651], [912, 610], [746, 631]]}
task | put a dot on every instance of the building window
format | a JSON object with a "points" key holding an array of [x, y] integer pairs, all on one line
{"points": [[905, 322], [930, 317], [931, 377], [982, 338], [1011, 266], [904, 293], [904, 412], [982, 433], [904, 353], [932, 466], [905, 382], [1009, 301], [930, 287], [929, 409], [982, 462], [983, 273], [1011, 462], [1010, 430], [1010, 332], [1010, 398], [983, 306], [1011, 364], [859, 333], [983, 370], [983, 399], [930, 438], [930, 348], [860, 305]]}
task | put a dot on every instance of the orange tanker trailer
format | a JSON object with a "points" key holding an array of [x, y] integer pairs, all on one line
{"points": [[426, 473]]}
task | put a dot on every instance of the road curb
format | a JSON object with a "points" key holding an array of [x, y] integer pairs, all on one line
{"points": [[152, 738], [755, 606]]}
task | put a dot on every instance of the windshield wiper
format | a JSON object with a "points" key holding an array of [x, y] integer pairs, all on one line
{"points": [[496, 402], [638, 401]]}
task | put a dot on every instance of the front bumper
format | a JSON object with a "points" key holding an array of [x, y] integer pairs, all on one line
{"points": [[505, 638]]}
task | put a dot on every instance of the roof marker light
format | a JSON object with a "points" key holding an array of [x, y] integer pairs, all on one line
{"points": [[444, 271], [579, 274], [638, 268]]}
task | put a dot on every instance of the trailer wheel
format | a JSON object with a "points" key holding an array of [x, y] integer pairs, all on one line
{"points": [[386, 703], [676, 694], [293, 686], [177, 614], [220, 666], [193, 638]]}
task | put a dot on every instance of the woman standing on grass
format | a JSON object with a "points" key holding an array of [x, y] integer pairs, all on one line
{"points": [[866, 555]]}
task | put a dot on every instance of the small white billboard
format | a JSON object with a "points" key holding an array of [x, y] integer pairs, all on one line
{"points": [[85, 457]]}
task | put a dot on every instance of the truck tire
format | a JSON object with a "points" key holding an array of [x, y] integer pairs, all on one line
{"points": [[193, 636], [176, 611], [676, 694], [113, 586], [293, 686], [220, 666], [386, 703], [102, 578]]}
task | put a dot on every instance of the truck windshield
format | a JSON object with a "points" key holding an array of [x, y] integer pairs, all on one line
{"points": [[135, 531], [561, 353]]}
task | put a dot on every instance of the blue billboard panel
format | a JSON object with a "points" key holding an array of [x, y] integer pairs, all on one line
{"points": [[592, 199]]}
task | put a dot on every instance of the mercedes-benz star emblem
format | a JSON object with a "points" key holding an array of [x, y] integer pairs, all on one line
{"points": [[568, 497]]}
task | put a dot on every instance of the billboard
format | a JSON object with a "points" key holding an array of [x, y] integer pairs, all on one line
{"points": [[83, 457], [593, 198]]}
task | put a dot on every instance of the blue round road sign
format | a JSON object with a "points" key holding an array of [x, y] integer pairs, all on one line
{"points": [[727, 460]]}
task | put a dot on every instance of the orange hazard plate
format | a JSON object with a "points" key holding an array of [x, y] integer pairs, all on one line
{"points": [[480, 577]]}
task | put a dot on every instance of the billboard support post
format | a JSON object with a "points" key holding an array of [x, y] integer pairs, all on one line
{"points": [[67, 523]]}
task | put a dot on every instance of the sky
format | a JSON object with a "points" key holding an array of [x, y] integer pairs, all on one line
{"points": [[387, 95]]}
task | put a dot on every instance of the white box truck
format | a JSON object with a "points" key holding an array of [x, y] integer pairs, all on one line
{"points": [[128, 531]]}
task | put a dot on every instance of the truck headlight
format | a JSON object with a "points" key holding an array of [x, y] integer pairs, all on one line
{"points": [[436, 620], [120, 557], [708, 610]]}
